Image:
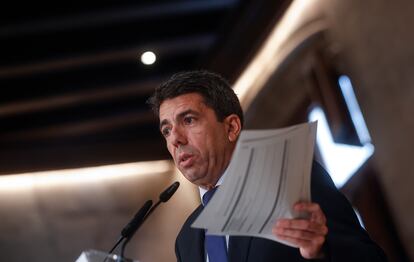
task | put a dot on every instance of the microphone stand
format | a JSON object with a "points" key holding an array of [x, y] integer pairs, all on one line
{"points": [[129, 238], [133, 225], [164, 197]]}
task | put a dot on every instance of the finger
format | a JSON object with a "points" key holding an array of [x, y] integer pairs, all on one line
{"points": [[298, 234], [313, 208], [302, 224], [295, 241], [307, 206], [308, 248]]}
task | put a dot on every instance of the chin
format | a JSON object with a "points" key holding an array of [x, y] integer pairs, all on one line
{"points": [[193, 178]]}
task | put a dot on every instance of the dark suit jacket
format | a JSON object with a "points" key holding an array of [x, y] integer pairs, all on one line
{"points": [[346, 240]]}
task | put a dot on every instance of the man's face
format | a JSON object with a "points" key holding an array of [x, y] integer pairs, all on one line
{"points": [[200, 145]]}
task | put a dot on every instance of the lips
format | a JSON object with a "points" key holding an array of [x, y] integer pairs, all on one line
{"points": [[185, 160]]}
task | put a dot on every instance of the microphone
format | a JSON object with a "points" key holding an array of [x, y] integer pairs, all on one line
{"points": [[167, 194], [139, 218], [164, 197], [134, 224]]}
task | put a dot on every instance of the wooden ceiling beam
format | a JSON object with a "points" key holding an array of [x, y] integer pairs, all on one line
{"points": [[177, 45]]}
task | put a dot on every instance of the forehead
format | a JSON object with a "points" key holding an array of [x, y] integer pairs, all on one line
{"points": [[193, 101]]}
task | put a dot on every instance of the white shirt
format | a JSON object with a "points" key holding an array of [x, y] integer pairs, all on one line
{"points": [[219, 182]]}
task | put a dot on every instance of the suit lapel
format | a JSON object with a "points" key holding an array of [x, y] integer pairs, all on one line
{"points": [[196, 239], [239, 248], [238, 245], [197, 246]]}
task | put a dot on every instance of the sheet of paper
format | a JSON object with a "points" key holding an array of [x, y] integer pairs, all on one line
{"points": [[268, 173]]}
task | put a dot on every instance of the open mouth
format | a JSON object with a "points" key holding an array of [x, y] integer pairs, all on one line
{"points": [[186, 160]]}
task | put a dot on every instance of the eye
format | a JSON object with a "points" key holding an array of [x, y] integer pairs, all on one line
{"points": [[166, 131], [189, 120]]}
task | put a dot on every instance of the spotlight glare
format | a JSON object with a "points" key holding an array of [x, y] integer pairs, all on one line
{"points": [[81, 175], [148, 58]]}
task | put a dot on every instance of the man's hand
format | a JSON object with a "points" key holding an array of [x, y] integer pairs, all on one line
{"points": [[309, 234]]}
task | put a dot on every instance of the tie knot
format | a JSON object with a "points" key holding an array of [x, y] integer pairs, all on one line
{"points": [[208, 195]]}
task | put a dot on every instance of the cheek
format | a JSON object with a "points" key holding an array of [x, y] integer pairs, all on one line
{"points": [[213, 145], [170, 149], [219, 144]]}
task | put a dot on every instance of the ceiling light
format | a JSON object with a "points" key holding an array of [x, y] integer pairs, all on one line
{"points": [[148, 58]]}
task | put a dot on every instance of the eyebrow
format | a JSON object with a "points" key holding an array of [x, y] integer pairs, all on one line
{"points": [[180, 115]]}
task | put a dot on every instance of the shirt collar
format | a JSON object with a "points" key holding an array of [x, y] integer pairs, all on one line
{"points": [[219, 182]]}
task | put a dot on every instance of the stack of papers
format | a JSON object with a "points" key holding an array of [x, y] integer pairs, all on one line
{"points": [[269, 172]]}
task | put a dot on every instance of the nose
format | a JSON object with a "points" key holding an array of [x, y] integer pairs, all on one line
{"points": [[178, 137]]}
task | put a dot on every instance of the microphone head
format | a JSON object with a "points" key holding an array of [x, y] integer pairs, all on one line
{"points": [[167, 194]]}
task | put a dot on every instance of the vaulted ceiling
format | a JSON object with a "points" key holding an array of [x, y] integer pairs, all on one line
{"points": [[73, 86]]}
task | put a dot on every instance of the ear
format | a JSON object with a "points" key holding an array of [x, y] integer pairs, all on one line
{"points": [[233, 127]]}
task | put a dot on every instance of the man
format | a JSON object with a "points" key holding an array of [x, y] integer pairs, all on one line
{"points": [[201, 119]]}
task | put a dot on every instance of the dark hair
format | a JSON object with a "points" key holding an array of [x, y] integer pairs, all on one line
{"points": [[215, 90]]}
